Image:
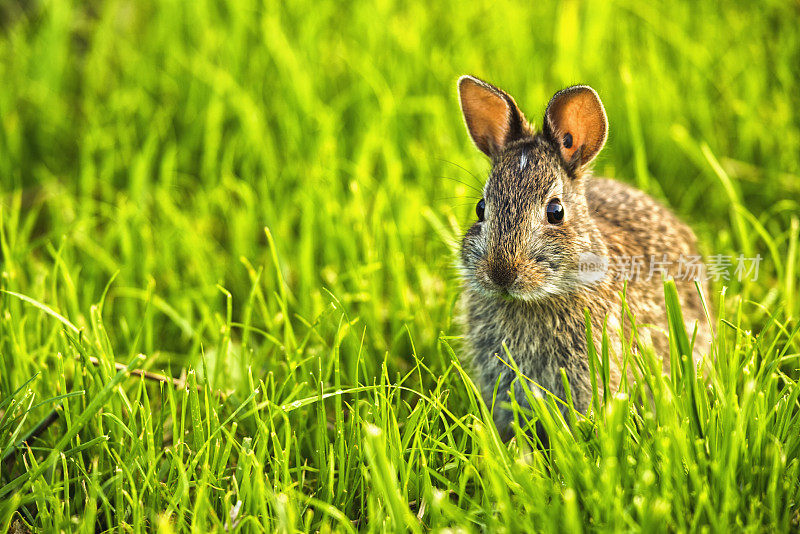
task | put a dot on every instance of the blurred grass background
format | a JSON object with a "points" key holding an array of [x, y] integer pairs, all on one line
{"points": [[145, 146]]}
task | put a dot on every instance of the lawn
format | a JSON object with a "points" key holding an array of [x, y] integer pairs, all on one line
{"points": [[260, 205]]}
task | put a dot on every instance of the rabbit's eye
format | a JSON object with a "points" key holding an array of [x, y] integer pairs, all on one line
{"points": [[568, 140], [480, 208], [555, 212]]}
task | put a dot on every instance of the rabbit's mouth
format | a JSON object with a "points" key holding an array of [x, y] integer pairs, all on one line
{"points": [[505, 295], [511, 295], [525, 282]]}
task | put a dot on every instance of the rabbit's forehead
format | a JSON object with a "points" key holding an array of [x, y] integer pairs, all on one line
{"points": [[530, 172]]}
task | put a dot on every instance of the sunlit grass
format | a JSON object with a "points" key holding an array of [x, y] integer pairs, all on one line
{"points": [[264, 201]]}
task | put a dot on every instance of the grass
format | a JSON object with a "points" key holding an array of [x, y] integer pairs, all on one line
{"points": [[261, 201]]}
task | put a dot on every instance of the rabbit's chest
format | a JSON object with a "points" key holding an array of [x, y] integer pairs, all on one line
{"points": [[540, 344]]}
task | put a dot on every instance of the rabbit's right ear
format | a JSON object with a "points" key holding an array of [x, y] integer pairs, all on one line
{"points": [[575, 121], [492, 117]]}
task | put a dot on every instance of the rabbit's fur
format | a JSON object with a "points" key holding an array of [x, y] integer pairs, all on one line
{"points": [[522, 287]]}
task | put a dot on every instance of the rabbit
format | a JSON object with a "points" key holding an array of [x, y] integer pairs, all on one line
{"points": [[541, 252]]}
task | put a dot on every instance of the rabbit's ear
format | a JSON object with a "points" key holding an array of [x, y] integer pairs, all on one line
{"points": [[492, 117], [576, 122]]}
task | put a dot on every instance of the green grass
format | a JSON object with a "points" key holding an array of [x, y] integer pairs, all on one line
{"points": [[146, 146]]}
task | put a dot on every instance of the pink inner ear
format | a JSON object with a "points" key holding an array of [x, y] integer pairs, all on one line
{"points": [[581, 115], [486, 114]]}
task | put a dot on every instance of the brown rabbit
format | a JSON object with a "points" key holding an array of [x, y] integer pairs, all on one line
{"points": [[552, 241]]}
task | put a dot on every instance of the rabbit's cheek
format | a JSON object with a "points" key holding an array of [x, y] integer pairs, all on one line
{"points": [[482, 274], [473, 247]]}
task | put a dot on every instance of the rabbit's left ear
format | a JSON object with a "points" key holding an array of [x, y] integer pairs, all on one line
{"points": [[576, 122], [493, 119]]}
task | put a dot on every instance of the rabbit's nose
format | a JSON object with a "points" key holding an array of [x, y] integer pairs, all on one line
{"points": [[502, 273]]}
